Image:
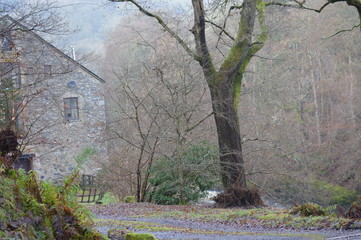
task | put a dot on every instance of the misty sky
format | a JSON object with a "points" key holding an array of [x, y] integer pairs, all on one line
{"points": [[96, 18]]}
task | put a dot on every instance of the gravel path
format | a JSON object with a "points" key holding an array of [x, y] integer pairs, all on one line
{"points": [[211, 230]]}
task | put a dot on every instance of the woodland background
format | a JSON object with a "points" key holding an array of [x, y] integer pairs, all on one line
{"points": [[299, 108]]}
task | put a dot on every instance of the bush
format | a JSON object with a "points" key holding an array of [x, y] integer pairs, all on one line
{"points": [[200, 168], [308, 209], [108, 198], [40, 210], [129, 199], [354, 210], [290, 190], [334, 194]]}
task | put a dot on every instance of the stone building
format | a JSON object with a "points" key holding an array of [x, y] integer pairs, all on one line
{"points": [[53, 102]]}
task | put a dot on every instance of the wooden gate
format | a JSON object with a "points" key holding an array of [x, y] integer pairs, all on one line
{"points": [[89, 191]]}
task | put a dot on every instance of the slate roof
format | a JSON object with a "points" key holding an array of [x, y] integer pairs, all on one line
{"points": [[61, 53]]}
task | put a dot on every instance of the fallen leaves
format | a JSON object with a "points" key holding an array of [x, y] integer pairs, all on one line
{"points": [[236, 217]]}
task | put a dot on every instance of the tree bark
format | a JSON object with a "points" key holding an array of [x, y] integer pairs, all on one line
{"points": [[229, 141], [224, 87], [224, 84]]}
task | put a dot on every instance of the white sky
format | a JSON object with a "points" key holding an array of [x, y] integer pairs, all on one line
{"points": [[95, 18]]}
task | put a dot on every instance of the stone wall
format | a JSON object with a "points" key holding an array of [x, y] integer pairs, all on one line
{"points": [[55, 141]]}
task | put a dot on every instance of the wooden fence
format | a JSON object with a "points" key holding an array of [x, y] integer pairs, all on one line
{"points": [[89, 191]]}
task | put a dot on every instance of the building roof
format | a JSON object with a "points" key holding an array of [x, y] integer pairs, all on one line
{"points": [[61, 53]]}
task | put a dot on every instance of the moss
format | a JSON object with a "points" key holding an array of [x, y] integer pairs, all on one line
{"points": [[139, 236], [129, 199], [37, 210], [165, 228], [118, 232], [256, 46], [308, 209]]}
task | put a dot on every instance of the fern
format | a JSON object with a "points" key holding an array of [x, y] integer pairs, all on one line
{"points": [[41, 210], [330, 209], [85, 155]]}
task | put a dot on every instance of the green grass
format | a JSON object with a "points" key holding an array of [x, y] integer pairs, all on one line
{"points": [[269, 218], [156, 227]]}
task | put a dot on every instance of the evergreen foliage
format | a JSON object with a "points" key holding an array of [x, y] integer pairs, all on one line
{"points": [[334, 194], [129, 199], [200, 173], [30, 209], [81, 158]]}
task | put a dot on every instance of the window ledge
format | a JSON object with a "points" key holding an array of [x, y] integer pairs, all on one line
{"points": [[72, 121]]}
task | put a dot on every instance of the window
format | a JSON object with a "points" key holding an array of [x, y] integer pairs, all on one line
{"points": [[9, 74], [71, 110], [6, 43]]}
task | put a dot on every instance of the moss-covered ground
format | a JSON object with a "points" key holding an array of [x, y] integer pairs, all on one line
{"points": [[266, 221], [158, 227]]}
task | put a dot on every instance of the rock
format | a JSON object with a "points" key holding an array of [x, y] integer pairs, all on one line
{"points": [[139, 236], [118, 233]]}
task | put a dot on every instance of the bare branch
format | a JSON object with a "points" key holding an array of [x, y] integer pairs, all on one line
{"points": [[300, 5], [163, 24], [221, 28]]}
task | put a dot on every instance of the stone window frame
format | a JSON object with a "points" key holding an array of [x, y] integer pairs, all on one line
{"points": [[68, 109], [7, 43]]}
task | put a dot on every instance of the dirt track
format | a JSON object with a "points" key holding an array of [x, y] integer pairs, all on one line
{"points": [[143, 218]]}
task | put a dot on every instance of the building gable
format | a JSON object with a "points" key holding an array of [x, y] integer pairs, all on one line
{"points": [[13, 24]]}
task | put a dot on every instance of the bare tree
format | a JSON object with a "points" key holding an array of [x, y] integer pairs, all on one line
{"points": [[306, 108], [155, 102], [225, 83]]}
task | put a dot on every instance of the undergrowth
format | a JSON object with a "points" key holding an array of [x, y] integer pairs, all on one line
{"points": [[255, 217], [30, 209]]}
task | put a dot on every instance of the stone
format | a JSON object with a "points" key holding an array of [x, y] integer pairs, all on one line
{"points": [[139, 236], [58, 118], [118, 233]]}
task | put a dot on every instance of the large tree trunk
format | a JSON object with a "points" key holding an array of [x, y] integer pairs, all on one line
{"points": [[229, 139], [224, 86]]}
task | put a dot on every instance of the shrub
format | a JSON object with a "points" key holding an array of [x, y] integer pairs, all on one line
{"points": [[129, 199], [334, 194], [199, 167], [40, 210], [308, 209], [109, 198], [354, 210]]}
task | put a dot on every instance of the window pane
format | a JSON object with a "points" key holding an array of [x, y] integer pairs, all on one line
{"points": [[73, 103], [67, 114], [66, 102], [71, 109], [74, 114], [6, 44]]}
